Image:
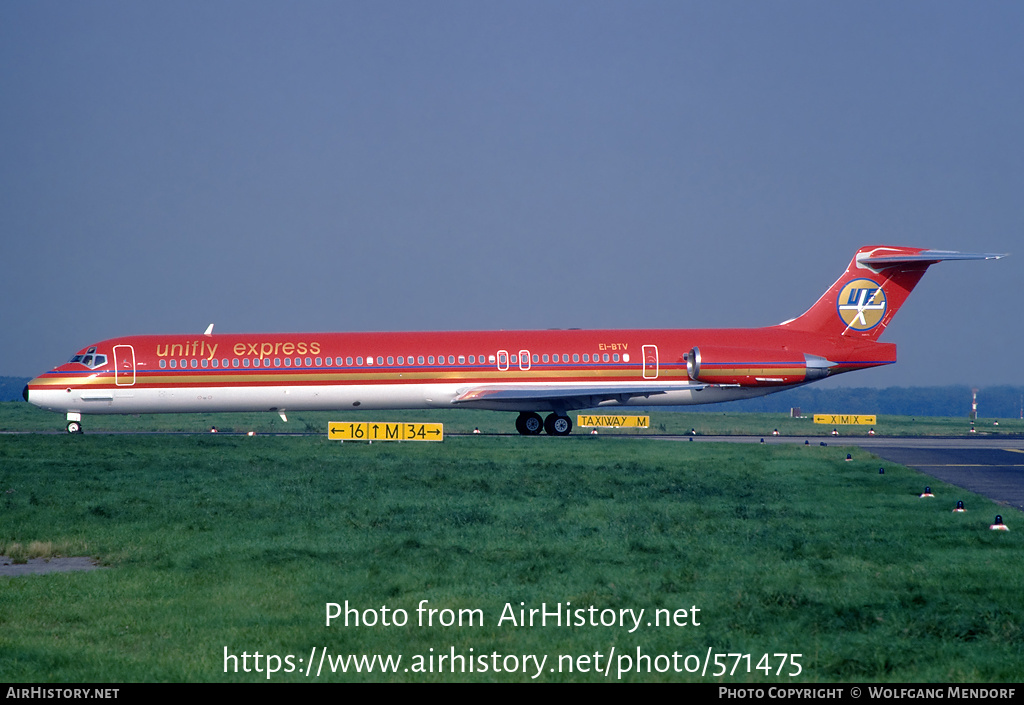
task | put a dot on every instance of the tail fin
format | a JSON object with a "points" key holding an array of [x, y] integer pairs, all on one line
{"points": [[878, 280]]}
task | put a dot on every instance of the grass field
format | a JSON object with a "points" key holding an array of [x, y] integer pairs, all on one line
{"points": [[231, 545]]}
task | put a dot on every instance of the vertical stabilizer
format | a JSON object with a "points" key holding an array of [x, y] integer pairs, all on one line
{"points": [[863, 301]]}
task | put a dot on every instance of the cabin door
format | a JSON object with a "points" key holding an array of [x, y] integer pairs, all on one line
{"points": [[650, 362], [124, 365]]}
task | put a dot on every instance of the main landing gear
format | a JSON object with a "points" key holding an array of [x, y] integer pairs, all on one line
{"points": [[530, 424]]}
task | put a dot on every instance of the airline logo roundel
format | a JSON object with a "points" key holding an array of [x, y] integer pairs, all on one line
{"points": [[861, 304]]}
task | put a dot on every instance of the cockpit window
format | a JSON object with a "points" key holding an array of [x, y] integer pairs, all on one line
{"points": [[90, 359]]}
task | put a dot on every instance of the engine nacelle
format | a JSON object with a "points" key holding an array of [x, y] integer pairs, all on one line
{"points": [[751, 367]]}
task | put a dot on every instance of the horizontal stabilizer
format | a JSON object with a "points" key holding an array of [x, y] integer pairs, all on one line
{"points": [[925, 256]]}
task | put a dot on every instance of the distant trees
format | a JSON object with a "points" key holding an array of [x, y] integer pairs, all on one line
{"points": [[955, 401], [11, 387]]}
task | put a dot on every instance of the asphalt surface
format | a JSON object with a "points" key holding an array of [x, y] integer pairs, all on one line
{"points": [[991, 467]]}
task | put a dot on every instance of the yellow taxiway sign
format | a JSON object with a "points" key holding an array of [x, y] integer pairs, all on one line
{"points": [[587, 421], [381, 431], [846, 419]]}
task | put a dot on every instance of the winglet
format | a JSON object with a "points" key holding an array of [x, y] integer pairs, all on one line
{"points": [[209, 330]]}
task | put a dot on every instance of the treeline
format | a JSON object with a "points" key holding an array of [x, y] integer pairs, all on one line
{"points": [[10, 388], [993, 402], [955, 401]]}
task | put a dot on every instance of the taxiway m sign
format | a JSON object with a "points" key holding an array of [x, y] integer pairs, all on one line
{"points": [[587, 421]]}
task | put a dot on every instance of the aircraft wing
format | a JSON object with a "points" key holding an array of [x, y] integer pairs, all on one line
{"points": [[565, 396]]}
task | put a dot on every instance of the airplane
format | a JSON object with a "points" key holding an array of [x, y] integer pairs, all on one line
{"points": [[529, 372]]}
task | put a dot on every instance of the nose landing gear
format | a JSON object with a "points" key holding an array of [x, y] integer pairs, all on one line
{"points": [[74, 422]]}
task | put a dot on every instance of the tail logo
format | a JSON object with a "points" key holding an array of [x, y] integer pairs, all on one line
{"points": [[861, 304]]}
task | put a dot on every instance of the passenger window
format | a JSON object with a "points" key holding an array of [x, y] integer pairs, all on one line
{"points": [[391, 360], [287, 362], [174, 364], [419, 360], [163, 364], [380, 360]]}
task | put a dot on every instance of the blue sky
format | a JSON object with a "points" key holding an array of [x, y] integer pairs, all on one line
{"points": [[482, 165]]}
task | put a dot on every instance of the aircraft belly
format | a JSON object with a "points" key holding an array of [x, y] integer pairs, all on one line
{"points": [[231, 399]]}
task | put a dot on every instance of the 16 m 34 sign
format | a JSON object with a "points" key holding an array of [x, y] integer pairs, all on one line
{"points": [[381, 431]]}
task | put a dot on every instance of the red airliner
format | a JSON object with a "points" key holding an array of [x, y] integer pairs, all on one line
{"points": [[553, 371]]}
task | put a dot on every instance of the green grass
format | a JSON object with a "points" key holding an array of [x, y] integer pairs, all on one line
{"points": [[217, 542]]}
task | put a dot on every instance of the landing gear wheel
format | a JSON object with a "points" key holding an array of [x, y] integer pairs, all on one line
{"points": [[557, 425], [529, 424], [74, 426]]}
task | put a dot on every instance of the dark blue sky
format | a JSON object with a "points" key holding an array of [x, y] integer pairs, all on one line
{"points": [[481, 165]]}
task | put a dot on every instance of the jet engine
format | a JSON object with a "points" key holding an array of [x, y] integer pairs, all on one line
{"points": [[752, 367]]}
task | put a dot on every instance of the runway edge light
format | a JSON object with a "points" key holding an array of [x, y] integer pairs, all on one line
{"points": [[999, 525]]}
